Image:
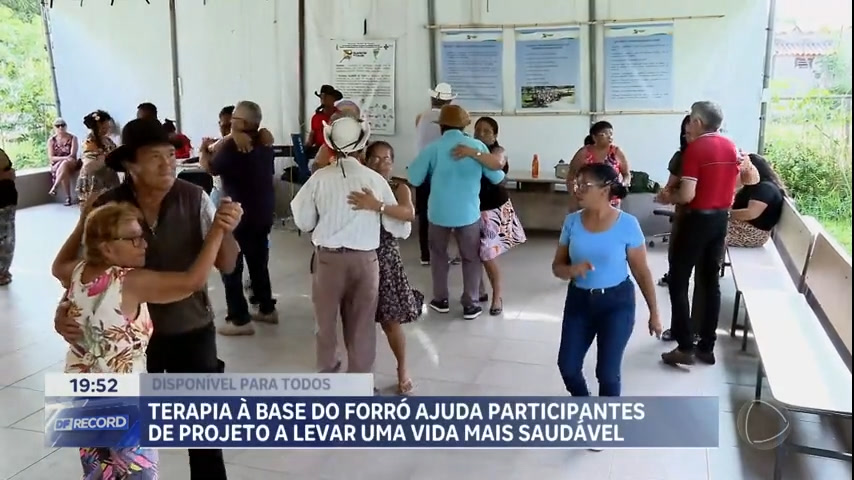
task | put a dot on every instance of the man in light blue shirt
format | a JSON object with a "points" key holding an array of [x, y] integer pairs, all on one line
{"points": [[454, 206]]}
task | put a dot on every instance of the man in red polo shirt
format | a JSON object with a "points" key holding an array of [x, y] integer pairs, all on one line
{"points": [[328, 95], [709, 171]]}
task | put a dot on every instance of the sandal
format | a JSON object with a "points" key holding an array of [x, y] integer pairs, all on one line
{"points": [[497, 310], [406, 387], [67, 202], [5, 280]]}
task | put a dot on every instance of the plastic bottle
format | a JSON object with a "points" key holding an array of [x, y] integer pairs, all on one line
{"points": [[535, 166]]}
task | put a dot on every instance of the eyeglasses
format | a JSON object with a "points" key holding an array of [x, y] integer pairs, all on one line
{"points": [[138, 241], [584, 186], [60, 125]]}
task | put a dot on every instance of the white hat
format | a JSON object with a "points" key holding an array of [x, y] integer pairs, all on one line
{"points": [[347, 134], [443, 91]]}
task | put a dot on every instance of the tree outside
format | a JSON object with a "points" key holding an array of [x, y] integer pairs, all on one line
{"points": [[26, 92]]}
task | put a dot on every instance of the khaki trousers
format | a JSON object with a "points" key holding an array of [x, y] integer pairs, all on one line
{"points": [[346, 281]]}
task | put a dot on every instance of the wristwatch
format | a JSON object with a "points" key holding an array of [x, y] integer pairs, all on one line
{"points": [[478, 154], [382, 208]]}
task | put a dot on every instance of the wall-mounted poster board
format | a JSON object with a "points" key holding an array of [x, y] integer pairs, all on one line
{"points": [[639, 67], [364, 73], [548, 69], [472, 65]]}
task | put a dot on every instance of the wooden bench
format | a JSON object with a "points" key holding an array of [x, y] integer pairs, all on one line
{"points": [[804, 343], [766, 267]]}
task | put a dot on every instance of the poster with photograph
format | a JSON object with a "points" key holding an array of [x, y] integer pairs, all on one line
{"points": [[548, 69]]}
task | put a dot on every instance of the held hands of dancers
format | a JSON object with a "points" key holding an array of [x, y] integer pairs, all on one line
{"points": [[228, 215], [574, 270]]}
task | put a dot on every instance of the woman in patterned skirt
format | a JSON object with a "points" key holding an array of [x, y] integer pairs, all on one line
{"points": [[95, 176], [398, 303], [8, 204], [500, 229], [109, 291]]}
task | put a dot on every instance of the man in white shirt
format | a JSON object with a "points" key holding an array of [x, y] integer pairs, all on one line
{"points": [[426, 132], [346, 274]]}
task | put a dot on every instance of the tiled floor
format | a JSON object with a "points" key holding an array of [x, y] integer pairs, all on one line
{"points": [[509, 355]]}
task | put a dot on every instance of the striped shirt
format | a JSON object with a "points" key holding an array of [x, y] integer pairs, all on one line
{"points": [[321, 206]]}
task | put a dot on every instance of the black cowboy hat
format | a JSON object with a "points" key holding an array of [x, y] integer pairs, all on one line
{"points": [[331, 91], [142, 132]]}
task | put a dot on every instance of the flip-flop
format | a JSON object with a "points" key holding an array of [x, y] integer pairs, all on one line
{"points": [[495, 311]]}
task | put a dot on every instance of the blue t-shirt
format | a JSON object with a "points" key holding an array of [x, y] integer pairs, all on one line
{"points": [[606, 251], [454, 184]]}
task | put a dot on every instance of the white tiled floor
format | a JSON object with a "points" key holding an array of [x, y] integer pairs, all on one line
{"points": [[509, 355]]}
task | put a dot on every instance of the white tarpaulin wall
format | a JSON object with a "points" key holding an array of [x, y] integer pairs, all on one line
{"points": [[114, 57]]}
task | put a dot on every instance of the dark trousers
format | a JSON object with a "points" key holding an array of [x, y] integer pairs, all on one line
{"points": [[608, 316], [190, 352], [255, 249], [468, 241], [422, 193], [698, 243]]}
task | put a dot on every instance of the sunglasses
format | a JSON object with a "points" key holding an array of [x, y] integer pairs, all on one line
{"points": [[60, 125]]}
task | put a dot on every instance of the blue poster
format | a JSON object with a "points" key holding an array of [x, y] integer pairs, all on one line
{"points": [[548, 68], [639, 67], [472, 65]]}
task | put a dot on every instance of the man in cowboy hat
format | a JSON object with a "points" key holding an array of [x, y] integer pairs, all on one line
{"points": [[426, 132], [454, 206], [177, 216], [346, 276], [328, 95]]}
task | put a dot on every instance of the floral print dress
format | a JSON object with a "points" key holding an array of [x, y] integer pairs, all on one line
{"points": [[112, 343], [95, 175]]}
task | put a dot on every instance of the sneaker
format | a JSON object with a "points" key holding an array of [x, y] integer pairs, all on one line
{"points": [[705, 357], [455, 261], [441, 306], [425, 262], [472, 312], [232, 330], [677, 357], [271, 317]]}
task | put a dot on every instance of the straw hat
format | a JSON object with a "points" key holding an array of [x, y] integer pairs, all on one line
{"points": [[454, 116], [347, 134], [442, 91]]}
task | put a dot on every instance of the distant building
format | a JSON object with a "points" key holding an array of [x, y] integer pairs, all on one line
{"points": [[797, 65]]}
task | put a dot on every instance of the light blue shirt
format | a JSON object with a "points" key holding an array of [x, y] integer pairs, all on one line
{"points": [[606, 251], [454, 184]]}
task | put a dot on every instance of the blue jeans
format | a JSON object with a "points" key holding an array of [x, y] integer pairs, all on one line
{"points": [[608, 316]]}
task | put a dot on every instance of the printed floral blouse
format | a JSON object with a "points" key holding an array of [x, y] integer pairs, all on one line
{"points": [[112, 342]]}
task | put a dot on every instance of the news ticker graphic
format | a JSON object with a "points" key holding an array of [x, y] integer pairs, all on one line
{"points": [[245, 419]]}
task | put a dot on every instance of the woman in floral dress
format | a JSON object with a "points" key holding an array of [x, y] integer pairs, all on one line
{"points": [[398, 302], [108, 291], [95, 176]]}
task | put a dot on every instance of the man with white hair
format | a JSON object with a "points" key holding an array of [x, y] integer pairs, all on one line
{"points": [[427, 131], [710, 167], [346, 274]]}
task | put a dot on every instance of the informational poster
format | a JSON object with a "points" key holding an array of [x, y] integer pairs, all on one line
{"points": [[548, 69], [364, 73], [472, 65], [639, 67]]}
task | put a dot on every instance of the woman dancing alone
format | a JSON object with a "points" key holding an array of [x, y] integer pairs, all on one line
{"points": [[398, 303]]}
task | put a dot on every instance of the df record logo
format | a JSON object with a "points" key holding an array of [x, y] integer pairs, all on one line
{"points": [[763, 425]]}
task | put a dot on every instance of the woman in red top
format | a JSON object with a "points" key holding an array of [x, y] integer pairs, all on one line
{"points": [[328, 96], [599, 148], [186, 150]]}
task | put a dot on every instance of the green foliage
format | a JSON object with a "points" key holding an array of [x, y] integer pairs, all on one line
{"points": [[809, 144], [26, 93]]}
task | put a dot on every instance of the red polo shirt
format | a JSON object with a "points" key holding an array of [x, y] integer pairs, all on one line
{"points": [[712, 161], [317, 126]]}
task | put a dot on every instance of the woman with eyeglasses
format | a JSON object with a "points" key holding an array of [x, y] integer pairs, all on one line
{"points": [[109, 291], [398, 302], [599, 247], [62, 153]]}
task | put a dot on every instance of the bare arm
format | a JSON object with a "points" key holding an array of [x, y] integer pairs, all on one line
{"points": [[74, 147], [265, 137], [624, 166], [640, 270], [68, 256], [754, 209], [144, 285], [404, 210], [560, 263]]}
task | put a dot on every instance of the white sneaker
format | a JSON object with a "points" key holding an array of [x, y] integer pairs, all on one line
{"points": [[232, 330], [272, 317]]}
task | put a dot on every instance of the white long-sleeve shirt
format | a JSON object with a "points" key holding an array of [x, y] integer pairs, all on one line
{"points": [[321, 205]]}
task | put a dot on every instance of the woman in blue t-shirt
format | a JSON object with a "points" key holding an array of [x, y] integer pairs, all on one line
{"points": [[598, 247]]}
